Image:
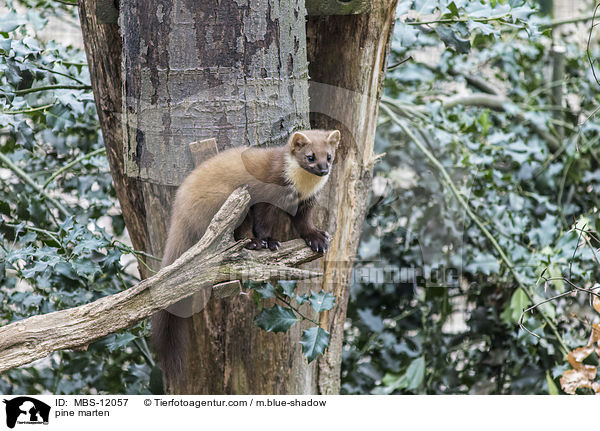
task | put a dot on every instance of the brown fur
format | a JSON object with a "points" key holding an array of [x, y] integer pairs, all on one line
{"points": [[285, 178]]}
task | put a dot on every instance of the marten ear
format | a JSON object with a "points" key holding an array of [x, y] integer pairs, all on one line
{"points": [[298, 140], [334, 138]]}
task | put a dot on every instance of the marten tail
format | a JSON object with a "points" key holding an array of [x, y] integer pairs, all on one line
{"points": [[169, 337]]}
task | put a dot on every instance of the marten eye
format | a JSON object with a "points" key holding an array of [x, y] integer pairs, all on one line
{"points": [[329, 157], [311, 157]]}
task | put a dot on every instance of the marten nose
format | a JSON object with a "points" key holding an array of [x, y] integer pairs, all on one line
{"points": [[323, 169]]}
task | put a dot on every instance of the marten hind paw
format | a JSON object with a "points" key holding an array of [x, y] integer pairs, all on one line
{"points": [[318, 240], [256, 244], [272, 244], [259, 244]]}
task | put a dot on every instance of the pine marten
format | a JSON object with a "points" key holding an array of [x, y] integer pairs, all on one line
{"points": [[285, 178]]}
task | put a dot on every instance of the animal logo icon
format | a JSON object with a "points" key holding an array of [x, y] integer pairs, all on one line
{"points": [[26, 409]]}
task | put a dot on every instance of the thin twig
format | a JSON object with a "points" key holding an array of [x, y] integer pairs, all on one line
{"points": [[559, 22], [142, 346], [46, 69], [459, 20], [535, 306], [476, 81], [71, 63], [589, 41], [28, 110], [122, 246], [53, 235], [555, 23], [66, 75], [575, 252], [282, 299], [400, 63], [52, 87], [560, 295]]}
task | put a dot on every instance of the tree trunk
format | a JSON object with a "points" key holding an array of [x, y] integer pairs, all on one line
{"points": [[102, 43], [235, 71], [184, 66], [347, 57]]}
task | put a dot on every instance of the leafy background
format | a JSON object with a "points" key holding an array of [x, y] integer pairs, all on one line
{"points": [[434, 306]]}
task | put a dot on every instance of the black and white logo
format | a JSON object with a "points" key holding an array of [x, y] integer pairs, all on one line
{"points": [[26, 410]]}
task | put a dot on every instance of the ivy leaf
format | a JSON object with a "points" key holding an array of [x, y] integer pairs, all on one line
{"points": [[522, 12], [85, 268], [415, 373], [452, 40], [314, 342], [321, 301], [10, 22], [120, 340], [4, 208], [518, 303], [424, 6], [405, 36], [453, 9], [288, 287], [275, 319], [552, 388], [266, 291], [301, 299], [86, 245], [37, 19], [485, 10], [33, 300], [544, 234], [548, 308], [411, 379], [484, 263], [485, 28], [372, 321]]}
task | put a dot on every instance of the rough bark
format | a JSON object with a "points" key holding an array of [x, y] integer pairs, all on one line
{"points": [[103, 48], [347, 57], [208, 266], [235, 71], [231, 70]]}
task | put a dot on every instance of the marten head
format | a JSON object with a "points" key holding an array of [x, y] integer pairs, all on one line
{"points": [[311, 153], [314, 150]]}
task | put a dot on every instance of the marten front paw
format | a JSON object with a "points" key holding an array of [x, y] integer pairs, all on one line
{"points": [[317, 239], [258, 244], [272, 244]]}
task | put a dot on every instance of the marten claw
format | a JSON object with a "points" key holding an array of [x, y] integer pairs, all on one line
{"points": [[273, 244], [259, 244], [255, 244], [317, 240]]}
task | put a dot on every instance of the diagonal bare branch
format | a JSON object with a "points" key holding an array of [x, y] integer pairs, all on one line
{"points": [[215, 259]]}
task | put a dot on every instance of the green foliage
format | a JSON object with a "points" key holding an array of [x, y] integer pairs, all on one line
{"points": [[59, 244], [314, 342], [447, 321], [528, 170], [276, 319], [321, 301], [411, 379], [279, 319]]}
